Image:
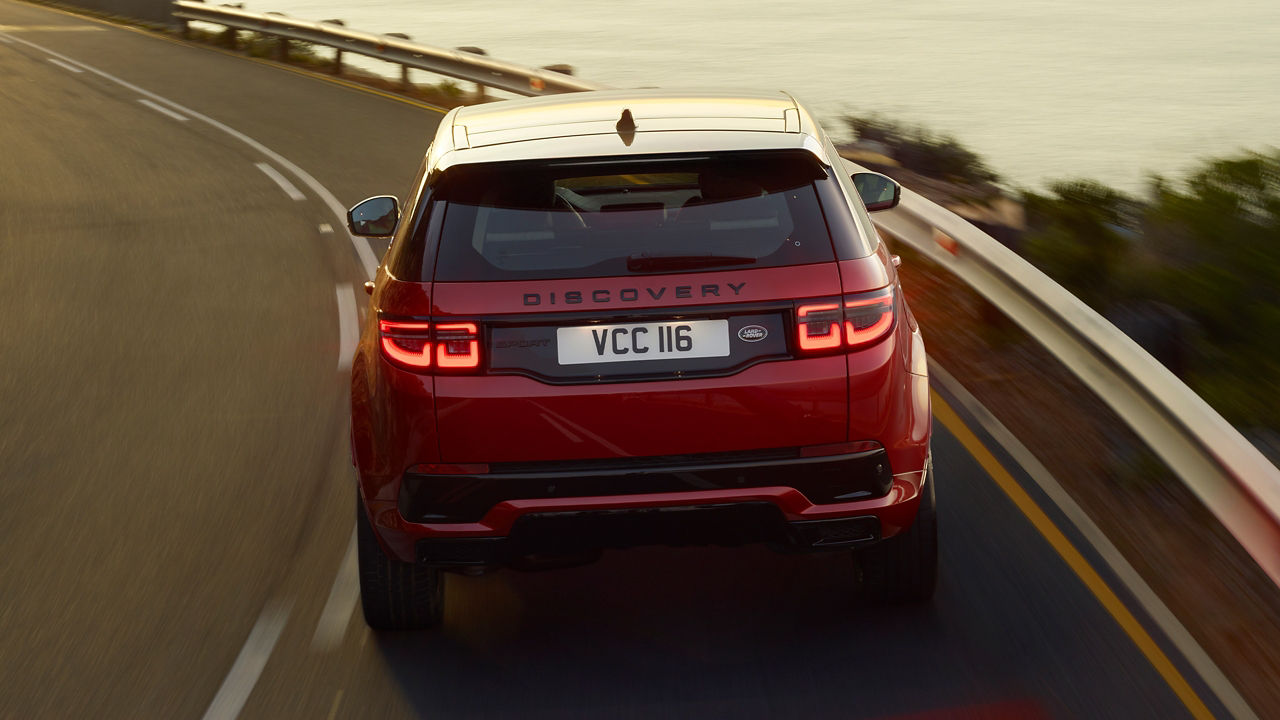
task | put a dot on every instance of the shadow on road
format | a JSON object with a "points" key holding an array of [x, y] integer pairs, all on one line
{"points": [[688, 632]]}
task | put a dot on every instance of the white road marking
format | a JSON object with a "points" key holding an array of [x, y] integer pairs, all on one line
{"points": [[253, 656], [341, 603], [1159, 613], [348, 326], [65, 66], [289, 189], [51, 28], [248, 666], [163, 110], [5, 39], [361, 246], [326, 228], [269, 626]]}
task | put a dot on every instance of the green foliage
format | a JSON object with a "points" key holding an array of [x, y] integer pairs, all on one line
{"points": [[266, 45], [1217, 247], [305, 52], [1220, 240], [1208, 247], [1077, 236], [922, 150], [449, 88]]}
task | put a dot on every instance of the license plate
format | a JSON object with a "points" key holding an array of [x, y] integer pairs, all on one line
{"points": [[642, 341]]}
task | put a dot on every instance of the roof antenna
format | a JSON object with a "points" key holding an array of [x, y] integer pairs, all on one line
{"points": [[626, 127]]}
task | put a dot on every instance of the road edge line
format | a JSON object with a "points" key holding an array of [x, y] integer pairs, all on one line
{"points": [[125, 25], [1152, 605], [365, 255], [238, 685], [348, 325], [289, 188], [344, 595], [1076, 561], [162, 110]]}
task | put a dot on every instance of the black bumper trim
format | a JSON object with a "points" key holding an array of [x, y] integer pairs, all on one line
{"points": [[571, 533], [467, 498]]}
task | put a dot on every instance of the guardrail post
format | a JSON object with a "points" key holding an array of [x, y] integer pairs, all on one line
{"points": [[282, 42], [283, 35], [480, 89], [404, 69], [337, 51], [231, 36]]}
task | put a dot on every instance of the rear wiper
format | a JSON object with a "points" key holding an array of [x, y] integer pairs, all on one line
{"points": [[656, 263]]}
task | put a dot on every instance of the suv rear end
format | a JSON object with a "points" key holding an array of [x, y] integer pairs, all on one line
{"points": [[618, 319]]}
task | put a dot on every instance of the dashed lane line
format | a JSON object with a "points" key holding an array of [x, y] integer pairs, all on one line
{"points": [[363, 251], [65, 66], [248, 666], [244, 673], [163, 110], [289, 188], [343, 597]]}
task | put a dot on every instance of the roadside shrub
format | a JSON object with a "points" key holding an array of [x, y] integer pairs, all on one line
{"points": [[1206, 249], [922, 150]]}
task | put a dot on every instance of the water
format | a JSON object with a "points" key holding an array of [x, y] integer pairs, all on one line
{"points": [[1043, 89]]}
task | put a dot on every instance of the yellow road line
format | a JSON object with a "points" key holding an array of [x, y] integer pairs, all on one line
{"points": [[1113, 605]]}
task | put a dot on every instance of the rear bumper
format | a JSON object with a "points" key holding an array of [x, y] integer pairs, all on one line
{"points": [[575, 531], [442, 497], [801, 503]]}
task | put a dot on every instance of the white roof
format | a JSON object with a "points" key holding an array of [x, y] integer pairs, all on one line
{"points": [[587, 124]]}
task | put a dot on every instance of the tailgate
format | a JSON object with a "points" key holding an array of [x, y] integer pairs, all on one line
{"points": [[659, 365]]}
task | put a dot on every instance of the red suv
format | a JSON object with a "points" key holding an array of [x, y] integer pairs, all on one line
{"points": [[623, 318]]}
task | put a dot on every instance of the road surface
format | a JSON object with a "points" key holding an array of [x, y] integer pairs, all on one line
{"points": [[176, 499]]}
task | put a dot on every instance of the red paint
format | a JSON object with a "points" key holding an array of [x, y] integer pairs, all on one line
{"points": [[614, 294], [443, 409]]}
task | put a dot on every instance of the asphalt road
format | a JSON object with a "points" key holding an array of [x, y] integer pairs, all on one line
{"points": [[175, 496]]}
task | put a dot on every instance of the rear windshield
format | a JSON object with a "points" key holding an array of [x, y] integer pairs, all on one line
{"points": [[597, 218]]}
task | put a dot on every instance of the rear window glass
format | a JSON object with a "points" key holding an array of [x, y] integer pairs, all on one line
{"points": [[596, 218]]}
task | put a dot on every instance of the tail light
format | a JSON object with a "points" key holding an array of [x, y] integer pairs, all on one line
{"points": [[867, 317], [848, 323], [417, 346], [819, 326], [407, 344], [457, 345]]}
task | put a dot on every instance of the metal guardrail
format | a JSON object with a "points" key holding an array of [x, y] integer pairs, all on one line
{"points": [[1231, 477], [453, 63]]}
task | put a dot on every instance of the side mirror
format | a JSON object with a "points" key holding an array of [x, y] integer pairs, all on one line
{"points": [[878, 192], [376, 217]]}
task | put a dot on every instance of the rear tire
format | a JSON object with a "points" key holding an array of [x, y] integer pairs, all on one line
{"points": [[395, 595], [904, 568]]}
